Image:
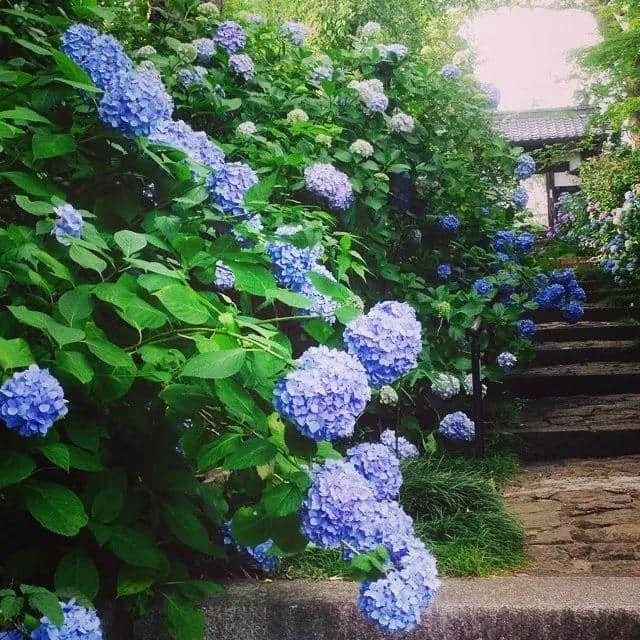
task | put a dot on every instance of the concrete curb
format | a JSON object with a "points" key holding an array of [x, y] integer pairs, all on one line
{"points": [[514, 608]]}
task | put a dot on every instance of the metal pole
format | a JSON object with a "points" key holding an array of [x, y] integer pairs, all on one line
{"points": [[477, 388]]}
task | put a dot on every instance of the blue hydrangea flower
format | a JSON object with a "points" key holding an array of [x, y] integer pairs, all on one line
{"points": [[253, 223], [444, 271], [376, 102], [323, 306], [179, 135], [504, 241], [135, 104], [503, 257], [445, 386], [324, 180], [563, 276], [573, 312], [387, 341], [106, 61], [290, 263], [229, 185], [242, 65], [389, 50], [230, 36], [525, 168], [320, 73], [506, 361], [193, 76], [525, 242], [31, 401], [576, 292], [526, 328], [450, 223], [484, 211], [491, 93], [336, 490], [550, 297], [257, 556], [450, 71], [224, 277], [295, 31], [379, 466], [457, 426], [11, 634], [399, 445], [206, 49], [324, 395], [482, 287], [77, 42], [79, 623], [69, 223], [520, 198]]}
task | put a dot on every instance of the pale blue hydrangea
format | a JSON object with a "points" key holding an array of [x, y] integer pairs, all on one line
{"points": [[491, 93], [224, 277], [31, 401], [457, 426], [324, 395], [319, 74], [376, 102], [504, 241], [79, 623], [296, 32], [229, 185], [401, 123], [69, 224], [257, 556], [444, 271], [230, 36], [324, 180], [387, 341], [135, 104], [192, 76], [379, 466], [370, 29], [445, 386], [467, 385], [482, 287], [520, 198], [450, 223], [77, 42], [106, 61], [525, 242], [361, 148], [395, 49], [526, 328], [253, 223], [450, 71], [323, 306], [573, 312], [399, 445], [525, 167], [246, 129], [206, 49], [484, 211], [506, 361], [291, 263], [252, 18], [336, 490], [242, 65]]}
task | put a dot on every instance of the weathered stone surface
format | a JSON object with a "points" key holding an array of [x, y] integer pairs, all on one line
{"points": [[626, 532]]}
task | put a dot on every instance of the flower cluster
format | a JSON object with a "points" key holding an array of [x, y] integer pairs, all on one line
{"points": [[387, 51], [224, 277], [387, 341], [246, 128], [297, 115], [320, 73], [230, 36], [106, 61], [252, 18], [450, 71], [445, 386], [370, 30], [242, 65], [361, 148], [257, 556], [520, 198], [457, 426], [69, 223], [467, 385], [193, 76], [79, 623], [205, 49], [526, 328], [379, 466], [560, 291], [491, 93], [525, 167], [324, 395], [388, 395], [401, 123], [323, 305], [324, 180], [506, 361], [230, 184], [398, 444], [296, 32], [450, 223], [77, 42], [31, 401], [482, 287], [371, 93], [444, 271], [291, 263]]}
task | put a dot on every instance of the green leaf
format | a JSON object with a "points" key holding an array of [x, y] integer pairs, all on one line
{"points": [[328, 287], [84, 460], [86, 258], [83, 434], [47, 604], [14, 467], [32, 185], [196, 589], [290, 298], [10, 606], [107, 504], [24, 115], [69, 68], [253, 452], [186, 526], [77, 572], [58, 453], [213, 452], [132, 309], [186, 399], [132, 580], [14, 353], [240, 404], [136, 547], [76, 305], [183, 303], [252, 278], [60, 333], [55, 507], [348, 313], [215, 364], [75, 364], [51, 145], [250, 526], [286, 534], [282, 500], [37, 207], [130, 242], [106, 350], [184, 620]]}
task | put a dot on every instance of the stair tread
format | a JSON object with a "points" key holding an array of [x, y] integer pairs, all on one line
{"points": [[612, 368], [621, 345], [586, 324]]}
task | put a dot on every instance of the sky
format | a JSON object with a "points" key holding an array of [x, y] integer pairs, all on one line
{"points": [[524, 52]]}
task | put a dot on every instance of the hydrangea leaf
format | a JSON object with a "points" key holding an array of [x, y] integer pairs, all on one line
{"points": [[76, 364], [132, 580], [240, 404], [58, 453], [282, 500], [78, 572], [215, 364], [130, 242], [14, 353], [55, 507], [61, 334], [14, 467], [252, 278], [86, 258], [185, 525], [49, 145], [46, 603], [107, 504], [250, 526], [184, 620], [183, 303], [76, 305], [136, 547], [254, 452], [213, 452]]}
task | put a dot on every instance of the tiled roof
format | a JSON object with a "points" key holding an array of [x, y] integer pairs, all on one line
{"points": [[538, 127]]}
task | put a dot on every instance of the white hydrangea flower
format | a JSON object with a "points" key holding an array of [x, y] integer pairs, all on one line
{"points": [[467, 385], [361, 148], [388, 395], [247, 128], [297, 115], [370, 30], [145, 52], [401, 123], [445, 386], [208, 9], [323, 138]]}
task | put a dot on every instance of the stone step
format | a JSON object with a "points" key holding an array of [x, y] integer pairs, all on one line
{"points": [[592, 313], [548, 353], [614, 293], [584, 330], [580, 426], [513, 608], [576, 379]]}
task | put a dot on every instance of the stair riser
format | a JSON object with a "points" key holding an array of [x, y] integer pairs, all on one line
{"points": [[573, 333], [538, 446], [571, 385], [632, 295], [597, 314], [574, 356]]}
